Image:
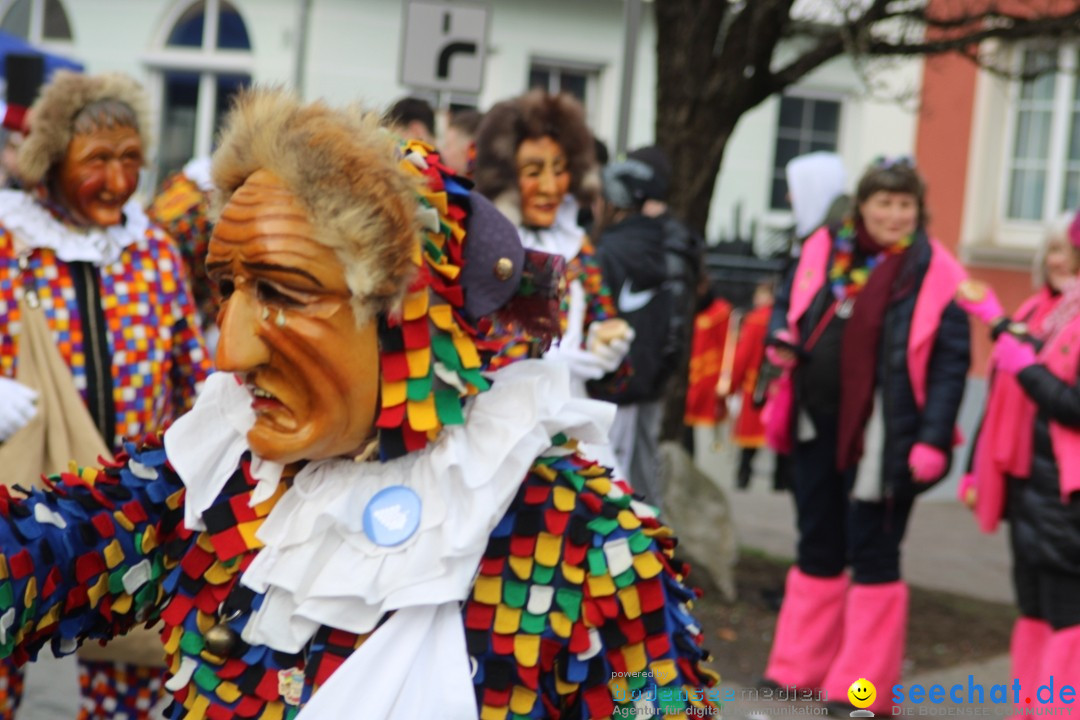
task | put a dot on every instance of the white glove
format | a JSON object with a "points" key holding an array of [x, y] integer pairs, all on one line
{"points": [[18, 405], [582, 363], [611, 353]]}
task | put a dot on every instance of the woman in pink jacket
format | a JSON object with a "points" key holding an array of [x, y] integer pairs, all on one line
{"points": [[1026, 463], [877, 353]]}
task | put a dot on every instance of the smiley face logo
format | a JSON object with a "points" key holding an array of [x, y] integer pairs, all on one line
{"points": [[862, 692]]}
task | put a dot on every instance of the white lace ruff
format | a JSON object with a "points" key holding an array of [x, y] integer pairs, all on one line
{"points": [[318, 566], [33, 226]]}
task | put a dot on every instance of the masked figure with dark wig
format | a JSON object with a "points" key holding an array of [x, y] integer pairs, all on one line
{"points": [[535, 161]]}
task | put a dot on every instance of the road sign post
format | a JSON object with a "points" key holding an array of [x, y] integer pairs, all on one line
{"points": [[444, 46]]}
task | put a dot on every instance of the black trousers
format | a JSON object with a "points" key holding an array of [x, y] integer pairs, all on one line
{"points": [[1045, 593], [781, 470], [836, 531]]}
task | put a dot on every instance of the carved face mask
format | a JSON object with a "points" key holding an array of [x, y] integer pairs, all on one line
{"points": [[288, 329], [543, 179], [98, 174]]}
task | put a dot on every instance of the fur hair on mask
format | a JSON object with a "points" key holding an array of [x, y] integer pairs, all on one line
{"points": [[531, 116], [345, 171], [52, 116]]}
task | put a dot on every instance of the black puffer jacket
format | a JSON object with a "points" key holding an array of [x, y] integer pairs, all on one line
{"points": [[1045, 530], [632, 259], [905, 424]]}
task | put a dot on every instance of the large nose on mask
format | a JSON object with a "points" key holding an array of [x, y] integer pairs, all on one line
{"points": [[546, 182], [116, 180], [240, 347]]}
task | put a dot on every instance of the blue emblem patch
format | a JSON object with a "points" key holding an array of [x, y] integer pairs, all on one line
{"points": [[392, 515]]}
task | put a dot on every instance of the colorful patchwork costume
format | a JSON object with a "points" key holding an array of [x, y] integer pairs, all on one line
{"points": [[182, 208], [124, 324], [577, 603], [149, 341], [478, 568]]}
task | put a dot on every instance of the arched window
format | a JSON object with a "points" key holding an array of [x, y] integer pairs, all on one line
{"points": [[37, 21], [204, 58]]}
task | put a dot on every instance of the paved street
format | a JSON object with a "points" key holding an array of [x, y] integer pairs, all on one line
{"points": [[943, 551], [52, 691]]}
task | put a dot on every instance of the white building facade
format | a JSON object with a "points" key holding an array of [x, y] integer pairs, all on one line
{"points": [[192, 54]]}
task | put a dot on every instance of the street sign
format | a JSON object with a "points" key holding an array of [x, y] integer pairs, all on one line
{"points": [[444, 45]]}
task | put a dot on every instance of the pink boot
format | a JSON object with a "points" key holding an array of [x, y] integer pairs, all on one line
{"points": [[875, 632], [1030, 637], [808, 629], [1060, 667]]}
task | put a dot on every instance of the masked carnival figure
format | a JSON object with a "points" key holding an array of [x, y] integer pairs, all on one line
{"points": [[534, 157], [98, 336], [358, 518]]}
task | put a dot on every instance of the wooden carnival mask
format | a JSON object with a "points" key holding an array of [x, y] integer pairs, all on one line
{"points": [[288, 329], [98, 174], [543, 180]]}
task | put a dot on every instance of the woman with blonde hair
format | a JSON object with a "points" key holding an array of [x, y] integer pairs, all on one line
{"points": [[1026, 460]]}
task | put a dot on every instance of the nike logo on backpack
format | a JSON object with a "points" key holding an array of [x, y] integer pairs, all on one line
{"points": [[630, 301]]}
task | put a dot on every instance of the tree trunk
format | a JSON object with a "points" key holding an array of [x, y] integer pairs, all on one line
{"points": [[693, 140], [671, 425], [691, 135]]}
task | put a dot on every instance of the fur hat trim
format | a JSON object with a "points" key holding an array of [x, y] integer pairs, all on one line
{"points": [[52, 115]]}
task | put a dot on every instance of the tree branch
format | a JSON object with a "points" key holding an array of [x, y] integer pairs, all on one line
{"points": [[844, 36], [1067, 26]]}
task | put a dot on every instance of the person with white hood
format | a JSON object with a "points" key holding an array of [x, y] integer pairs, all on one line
{"points": [[817, 191]]}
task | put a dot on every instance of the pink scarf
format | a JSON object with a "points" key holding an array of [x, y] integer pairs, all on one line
{"points": [[1001, 450]]}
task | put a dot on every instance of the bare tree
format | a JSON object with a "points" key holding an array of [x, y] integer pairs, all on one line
{"points": [[718, 59]]}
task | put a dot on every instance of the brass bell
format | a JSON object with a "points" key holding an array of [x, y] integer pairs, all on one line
{"points": [[221, 640]]}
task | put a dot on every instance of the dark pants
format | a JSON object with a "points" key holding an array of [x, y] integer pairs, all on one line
{"points": [[836, 531], [781, 470], [1046, 593]]}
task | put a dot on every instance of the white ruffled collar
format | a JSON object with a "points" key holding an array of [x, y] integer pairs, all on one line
{"points": [[33, 226], [318, 566], [565, 237]]}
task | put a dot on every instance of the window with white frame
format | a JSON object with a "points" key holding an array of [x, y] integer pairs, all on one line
{"points": [[806, 124], [36, 21], [580, 79], [205, 58], [1042, 177]]}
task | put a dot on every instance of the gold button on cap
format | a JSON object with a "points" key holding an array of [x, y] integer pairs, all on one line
{"points": [[504, 268]]}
